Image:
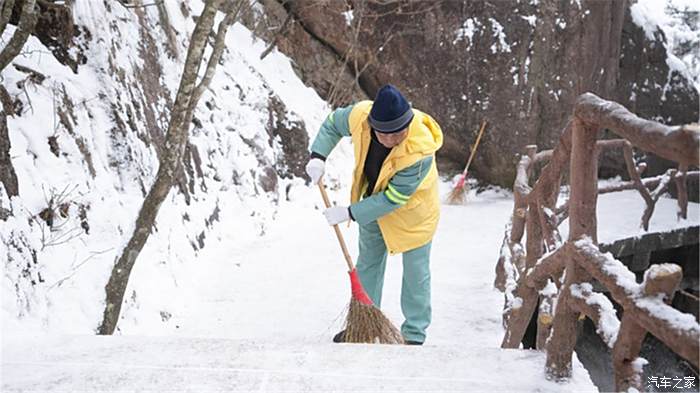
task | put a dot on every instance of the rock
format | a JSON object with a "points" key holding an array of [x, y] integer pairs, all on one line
{"points": [[650, 89], [318, 63], [55, 29], [294, 140], [519, 65]]}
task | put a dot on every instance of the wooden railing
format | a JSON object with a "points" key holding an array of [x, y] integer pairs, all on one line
{"points": [[534, 272]]}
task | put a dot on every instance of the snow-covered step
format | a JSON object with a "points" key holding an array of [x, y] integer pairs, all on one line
{"points": [[125, 363]]}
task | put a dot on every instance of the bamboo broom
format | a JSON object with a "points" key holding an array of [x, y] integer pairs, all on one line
{"points": [[365, 323], [458, 195]]}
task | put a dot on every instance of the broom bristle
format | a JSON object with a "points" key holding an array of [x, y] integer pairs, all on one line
{"points": [[458, 195], [367, 324]]}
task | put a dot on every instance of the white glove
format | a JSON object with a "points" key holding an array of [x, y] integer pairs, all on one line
{"points": [[337, 214], [315, 169]]}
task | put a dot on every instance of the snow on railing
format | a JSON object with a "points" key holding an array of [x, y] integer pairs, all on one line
{"points": [[558, 274], [599, 308], [646, 308]]}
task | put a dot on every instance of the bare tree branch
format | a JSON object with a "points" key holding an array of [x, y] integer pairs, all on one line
{"points": [[282, 29]]}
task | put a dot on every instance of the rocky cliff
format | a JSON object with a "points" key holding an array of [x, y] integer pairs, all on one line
{"points": [[518, 64]]}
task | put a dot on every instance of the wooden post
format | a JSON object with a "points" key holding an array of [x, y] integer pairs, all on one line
{"points": [[583, 175], [625, 352], [546, 187], [637, 180], [545, 315], [517, 317], [516, 230], [682, 189], [521, 195], [658, 279], [658, 320], [527, 291], [656, 194], [530, 151], [662, 279]]}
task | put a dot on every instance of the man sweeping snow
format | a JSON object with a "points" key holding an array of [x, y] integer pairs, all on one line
{"points": [[394, 196]]}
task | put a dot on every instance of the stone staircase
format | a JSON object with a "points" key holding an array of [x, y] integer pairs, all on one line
{"points": [[139, 363]]}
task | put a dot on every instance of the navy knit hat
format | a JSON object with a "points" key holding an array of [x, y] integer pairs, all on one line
{"points": [[390, 111]]}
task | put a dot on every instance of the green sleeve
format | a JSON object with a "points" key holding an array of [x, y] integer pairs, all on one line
{"points": [[333, 128], [401, 188]]}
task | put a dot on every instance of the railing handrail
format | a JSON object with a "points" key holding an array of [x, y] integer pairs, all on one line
{"points": [[528, 275]]}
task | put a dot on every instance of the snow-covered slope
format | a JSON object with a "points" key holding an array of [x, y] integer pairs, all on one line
{"points": [[90, 139]]}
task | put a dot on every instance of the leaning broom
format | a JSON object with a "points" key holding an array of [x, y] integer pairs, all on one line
{"points": [[458, 195], [365, 323]]}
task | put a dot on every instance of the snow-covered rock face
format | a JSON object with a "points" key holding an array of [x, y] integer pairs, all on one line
{"points": [[679, 20], [659, 68], [85, 145], [519, 64]]}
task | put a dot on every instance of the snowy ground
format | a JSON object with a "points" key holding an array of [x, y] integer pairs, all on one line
{"points": [[260, 316], [129, 363]]}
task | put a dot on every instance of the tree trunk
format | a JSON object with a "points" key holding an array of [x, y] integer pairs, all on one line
{"points": [[175, 142], [8, 178], [5, 14], [25, 27]]}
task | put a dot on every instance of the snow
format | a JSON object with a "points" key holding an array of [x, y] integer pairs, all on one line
{"points": [[619, 215], [531, 19], [550, 289], [661, 310], [661, 270], [525, 74], [655, 305], [69, 278], [613, 267], [608, 325], [134, 363], [348, 17], [673, 17], [639, 364], [511, 273], [467, 31], [500, 45], [561, 23], [245, 315]]}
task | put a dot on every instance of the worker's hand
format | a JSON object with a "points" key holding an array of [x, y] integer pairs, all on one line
{"points": [[337, 214], [315, 168]]}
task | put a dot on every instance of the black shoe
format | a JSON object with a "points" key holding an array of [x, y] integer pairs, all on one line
{"points": [[340, 337], [409, 342]]}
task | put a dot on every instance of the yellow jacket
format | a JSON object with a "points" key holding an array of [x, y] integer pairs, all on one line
{"points": [[413, 224]]}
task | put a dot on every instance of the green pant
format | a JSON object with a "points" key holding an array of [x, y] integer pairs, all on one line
{"points": [[415, 288]]}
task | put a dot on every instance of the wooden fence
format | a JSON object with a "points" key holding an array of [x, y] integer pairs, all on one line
{"points": [[559, 274]]}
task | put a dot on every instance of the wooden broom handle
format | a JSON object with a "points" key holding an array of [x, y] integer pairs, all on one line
{"points": [[471, 156], [327, 202]]}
